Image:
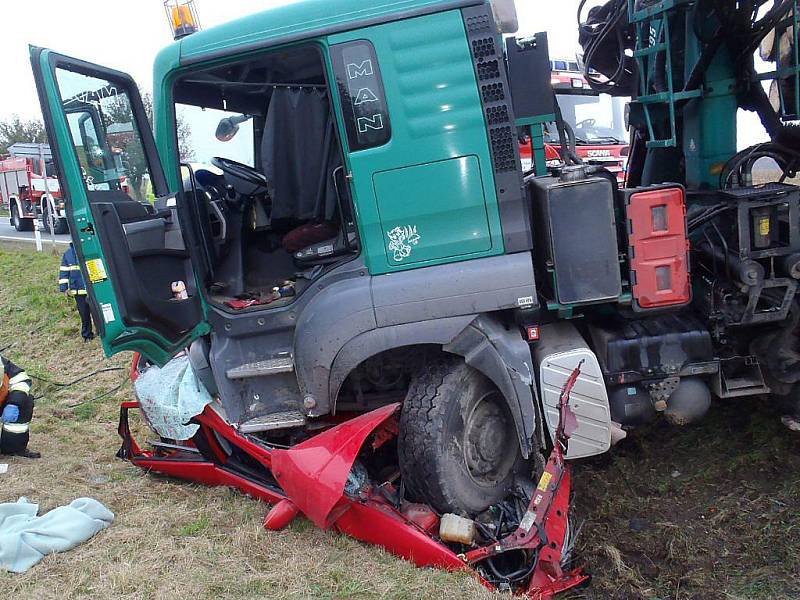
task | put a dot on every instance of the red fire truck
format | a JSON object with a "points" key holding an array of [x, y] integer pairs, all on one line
{"points": [[597, 119], [25, 192]]}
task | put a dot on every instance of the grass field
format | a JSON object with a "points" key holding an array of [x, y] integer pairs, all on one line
{"points": [[711, 512]]}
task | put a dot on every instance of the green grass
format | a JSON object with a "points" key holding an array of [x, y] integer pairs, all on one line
{"points": [[195, 527], [727, 527], [171, 539]]}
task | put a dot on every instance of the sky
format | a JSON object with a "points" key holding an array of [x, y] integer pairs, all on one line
{"points": [[127, 35]]}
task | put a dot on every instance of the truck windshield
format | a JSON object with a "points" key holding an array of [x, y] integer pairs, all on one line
{"points": [[597, 120]]}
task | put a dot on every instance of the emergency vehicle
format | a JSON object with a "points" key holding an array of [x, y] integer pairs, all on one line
{"points": [[25, 192], [598, 121]]}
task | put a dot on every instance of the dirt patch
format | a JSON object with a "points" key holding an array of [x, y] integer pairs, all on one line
{"points": [[707, 512]]}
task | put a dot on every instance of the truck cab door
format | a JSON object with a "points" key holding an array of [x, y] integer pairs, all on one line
{"points": [[124, 223]]}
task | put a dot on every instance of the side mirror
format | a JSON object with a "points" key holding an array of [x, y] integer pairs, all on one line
{"points": [[229, 127]]}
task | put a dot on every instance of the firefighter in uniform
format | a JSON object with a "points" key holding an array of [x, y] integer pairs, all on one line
{"points": [[16, 410], [70, 282]]}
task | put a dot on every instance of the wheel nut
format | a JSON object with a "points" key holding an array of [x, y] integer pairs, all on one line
{"points": [[309, 402]]}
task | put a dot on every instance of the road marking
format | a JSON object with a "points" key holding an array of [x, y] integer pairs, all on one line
{"points": [[31, 240]]}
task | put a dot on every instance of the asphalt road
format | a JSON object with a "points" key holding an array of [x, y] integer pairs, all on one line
{"points": [[9, 234]]}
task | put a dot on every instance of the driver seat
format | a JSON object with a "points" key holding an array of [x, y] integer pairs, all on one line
{"points": [[324, 251]]}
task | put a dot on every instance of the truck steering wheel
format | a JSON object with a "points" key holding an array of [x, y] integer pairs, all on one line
{"points": [[242, 173]]}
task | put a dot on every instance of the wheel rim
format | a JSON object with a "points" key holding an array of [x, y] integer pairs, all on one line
{"points": [[490, 442]]}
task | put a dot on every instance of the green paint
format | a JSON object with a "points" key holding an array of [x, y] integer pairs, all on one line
{"points": [[708, 132], [432, 212], [118, 336], [435, 174], [165, 71], [434, 105], [709, 124], [296, 20], [536, 125], [436, 115]]}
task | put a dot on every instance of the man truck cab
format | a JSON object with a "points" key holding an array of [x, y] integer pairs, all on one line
{"points": [[362, 227]]}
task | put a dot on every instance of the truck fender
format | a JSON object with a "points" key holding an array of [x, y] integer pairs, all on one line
{"points": [[371, 343], [15, 200], [48, 198], [504, 357], [426, 306], [501, 355]]}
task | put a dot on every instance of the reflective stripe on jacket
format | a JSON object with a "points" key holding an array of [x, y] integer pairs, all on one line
{"points": [[70, 279], [15, 381]]}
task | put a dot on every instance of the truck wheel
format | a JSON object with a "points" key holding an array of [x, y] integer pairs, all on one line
{"points": [[18, 222], [458, 445], [55, 225]]}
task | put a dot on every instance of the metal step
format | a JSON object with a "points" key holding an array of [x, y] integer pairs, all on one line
{"points": [[282, 420], [271, 366], [739, 376]]}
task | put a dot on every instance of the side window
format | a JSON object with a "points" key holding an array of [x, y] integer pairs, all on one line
{"points": [[358, 78], [197, 135], [104, 135]]}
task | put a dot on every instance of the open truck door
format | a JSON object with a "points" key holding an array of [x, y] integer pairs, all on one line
{"points": [[123, 221]]}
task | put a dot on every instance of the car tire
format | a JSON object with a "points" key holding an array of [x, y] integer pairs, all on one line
{"points": [[18, 222], [458, 444]]}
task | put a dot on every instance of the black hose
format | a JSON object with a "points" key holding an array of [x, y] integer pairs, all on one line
{"points": [[76, 381], [566, 150]]}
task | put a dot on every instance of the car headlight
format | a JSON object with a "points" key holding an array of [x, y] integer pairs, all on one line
{"points": [[505, 15]]}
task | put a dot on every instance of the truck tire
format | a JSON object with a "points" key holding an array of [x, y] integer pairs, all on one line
{"points": [[458, 445], [18, 222], [57, 226]]}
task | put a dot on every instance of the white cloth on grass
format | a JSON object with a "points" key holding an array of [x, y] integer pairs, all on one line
{"points": [[25, 538], [170, 397]]}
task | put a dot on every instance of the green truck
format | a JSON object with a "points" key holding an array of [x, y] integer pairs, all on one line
{"points": [[365, 236]]}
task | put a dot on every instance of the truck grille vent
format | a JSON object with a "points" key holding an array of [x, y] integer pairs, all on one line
{"points": [[497, 115], [491, 73], [479, 24], [493, 92], [488, 70], [503, 148], [483, 48]]}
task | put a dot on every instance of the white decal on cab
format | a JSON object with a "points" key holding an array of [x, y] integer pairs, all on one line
{"points": [[402, 240]]}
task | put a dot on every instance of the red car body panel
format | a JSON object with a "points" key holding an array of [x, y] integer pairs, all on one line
{"points": [[311, 478]]}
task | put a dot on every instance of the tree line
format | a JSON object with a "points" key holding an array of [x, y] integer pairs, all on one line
{"points": [[15, 130]]}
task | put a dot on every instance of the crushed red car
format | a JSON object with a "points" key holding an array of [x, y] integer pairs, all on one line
{"points": [[346, 478]]}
